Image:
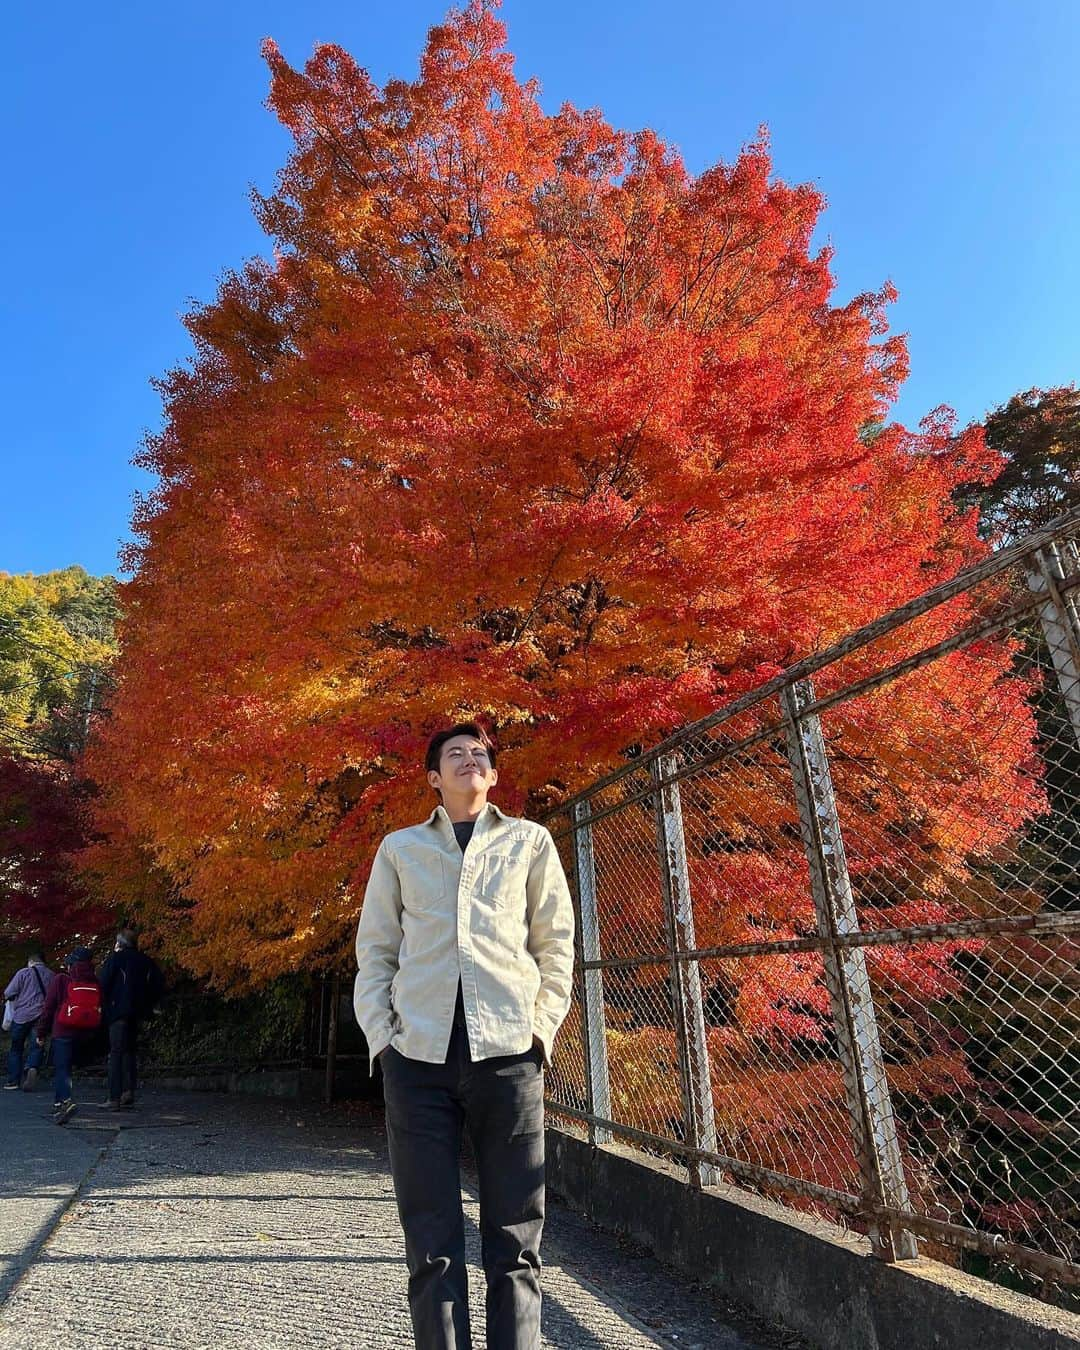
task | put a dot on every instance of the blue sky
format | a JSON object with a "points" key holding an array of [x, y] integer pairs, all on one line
{"points": [[943, 135]]}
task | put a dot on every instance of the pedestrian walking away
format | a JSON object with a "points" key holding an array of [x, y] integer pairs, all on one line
{"points": [[464, 954], [26, 991], [131, 985], [72, 1013]]}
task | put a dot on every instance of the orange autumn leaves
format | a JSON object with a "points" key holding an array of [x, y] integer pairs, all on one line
{"points": [[524, 420]]}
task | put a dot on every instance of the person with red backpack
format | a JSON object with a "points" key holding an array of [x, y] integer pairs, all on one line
{"points": [[73, 1011]]}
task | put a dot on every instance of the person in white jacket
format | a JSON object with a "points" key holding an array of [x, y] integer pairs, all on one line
{"points": [[465, 954]]}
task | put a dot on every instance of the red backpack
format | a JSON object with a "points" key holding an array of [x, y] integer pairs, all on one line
{"points": [[81, 1008]]}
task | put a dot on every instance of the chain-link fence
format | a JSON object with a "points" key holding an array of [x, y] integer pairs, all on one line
{"points": [[828, 937]]}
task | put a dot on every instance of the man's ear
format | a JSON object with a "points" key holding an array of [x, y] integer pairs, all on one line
{"points": [[494, 777], [434, 779]]}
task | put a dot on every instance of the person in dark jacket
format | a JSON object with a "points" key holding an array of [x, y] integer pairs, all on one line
{"points": [[79, 970], [131, 985]]}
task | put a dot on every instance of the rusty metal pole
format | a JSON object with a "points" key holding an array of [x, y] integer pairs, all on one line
{"points": [[322, 1015], [305, 1035], [1060, 622], [854, 1015], [689, 1008], [331, 1036], [597, 1080]]}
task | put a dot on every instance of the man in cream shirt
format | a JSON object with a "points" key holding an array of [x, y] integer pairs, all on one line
{"points": [[465, 955]]}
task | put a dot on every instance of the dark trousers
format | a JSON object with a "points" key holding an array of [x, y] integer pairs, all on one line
{"points": [[501, 1103], [63, 1057], [21, 1032], [123, 1039]]}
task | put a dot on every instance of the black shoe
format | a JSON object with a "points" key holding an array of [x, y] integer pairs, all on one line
{"points": [[30, 1081], [127, 1100], [67, 1110]]}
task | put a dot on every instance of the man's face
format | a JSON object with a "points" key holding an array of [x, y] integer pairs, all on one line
{"points": [[464, 768]]}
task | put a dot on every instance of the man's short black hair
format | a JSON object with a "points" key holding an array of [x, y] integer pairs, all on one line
{"points": [[435, 745], [36, 954]]}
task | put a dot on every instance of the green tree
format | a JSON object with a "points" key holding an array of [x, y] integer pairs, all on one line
{"points": [[1038, 435], [57, 641]]}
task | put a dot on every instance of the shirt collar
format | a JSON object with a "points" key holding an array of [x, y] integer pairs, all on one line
{"points": [[440, 813]]}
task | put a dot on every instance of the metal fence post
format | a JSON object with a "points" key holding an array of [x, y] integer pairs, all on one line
{"points": [[597, 1082], [331, 1037], [1060, 624], [685, 975], [869, 1103]]}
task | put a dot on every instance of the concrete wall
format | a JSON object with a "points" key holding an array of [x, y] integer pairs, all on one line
{"points": [[254, 1082], [804, 1273], [351, 1080]]}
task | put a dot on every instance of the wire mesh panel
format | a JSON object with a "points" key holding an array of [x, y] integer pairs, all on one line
{"points": [[628, 888], [638, 1010], [777, 1084], [567, 1083], [831, 934], [983, 1074]]}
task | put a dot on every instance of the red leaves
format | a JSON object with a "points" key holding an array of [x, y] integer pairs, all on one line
{"points": [[40, 830], [523, 421]]}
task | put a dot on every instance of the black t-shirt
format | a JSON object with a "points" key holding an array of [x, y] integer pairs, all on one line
{"points": [[463, 829]]}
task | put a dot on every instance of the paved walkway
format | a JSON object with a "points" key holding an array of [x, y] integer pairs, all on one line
{"points": [[213, 1221]]}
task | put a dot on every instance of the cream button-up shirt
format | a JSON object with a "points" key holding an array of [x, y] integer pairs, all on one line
{"points": [[498, 916]]}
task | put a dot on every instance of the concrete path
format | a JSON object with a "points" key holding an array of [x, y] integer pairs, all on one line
{"points": [[213, 1221], [42, 1169]]}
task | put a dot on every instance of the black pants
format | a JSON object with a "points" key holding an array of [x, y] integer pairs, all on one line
{"points": [[123, 1038], [501, 1103]]}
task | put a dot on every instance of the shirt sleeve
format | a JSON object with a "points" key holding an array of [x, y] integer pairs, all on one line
{"points": [[550, 914], [14, 986], [378, 950]]}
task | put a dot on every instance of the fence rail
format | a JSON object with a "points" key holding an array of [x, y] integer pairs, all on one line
{"points": [[828, 936]]}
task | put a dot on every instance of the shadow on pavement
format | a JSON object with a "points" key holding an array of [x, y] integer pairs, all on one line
{"points": [[243, 1216]]}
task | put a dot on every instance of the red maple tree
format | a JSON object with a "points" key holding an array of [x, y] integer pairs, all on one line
{"points": [[42, 830], [522, 419]]}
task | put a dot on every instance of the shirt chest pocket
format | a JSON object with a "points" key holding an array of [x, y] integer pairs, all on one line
{"points": [[424, 885], [503, 878]]}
